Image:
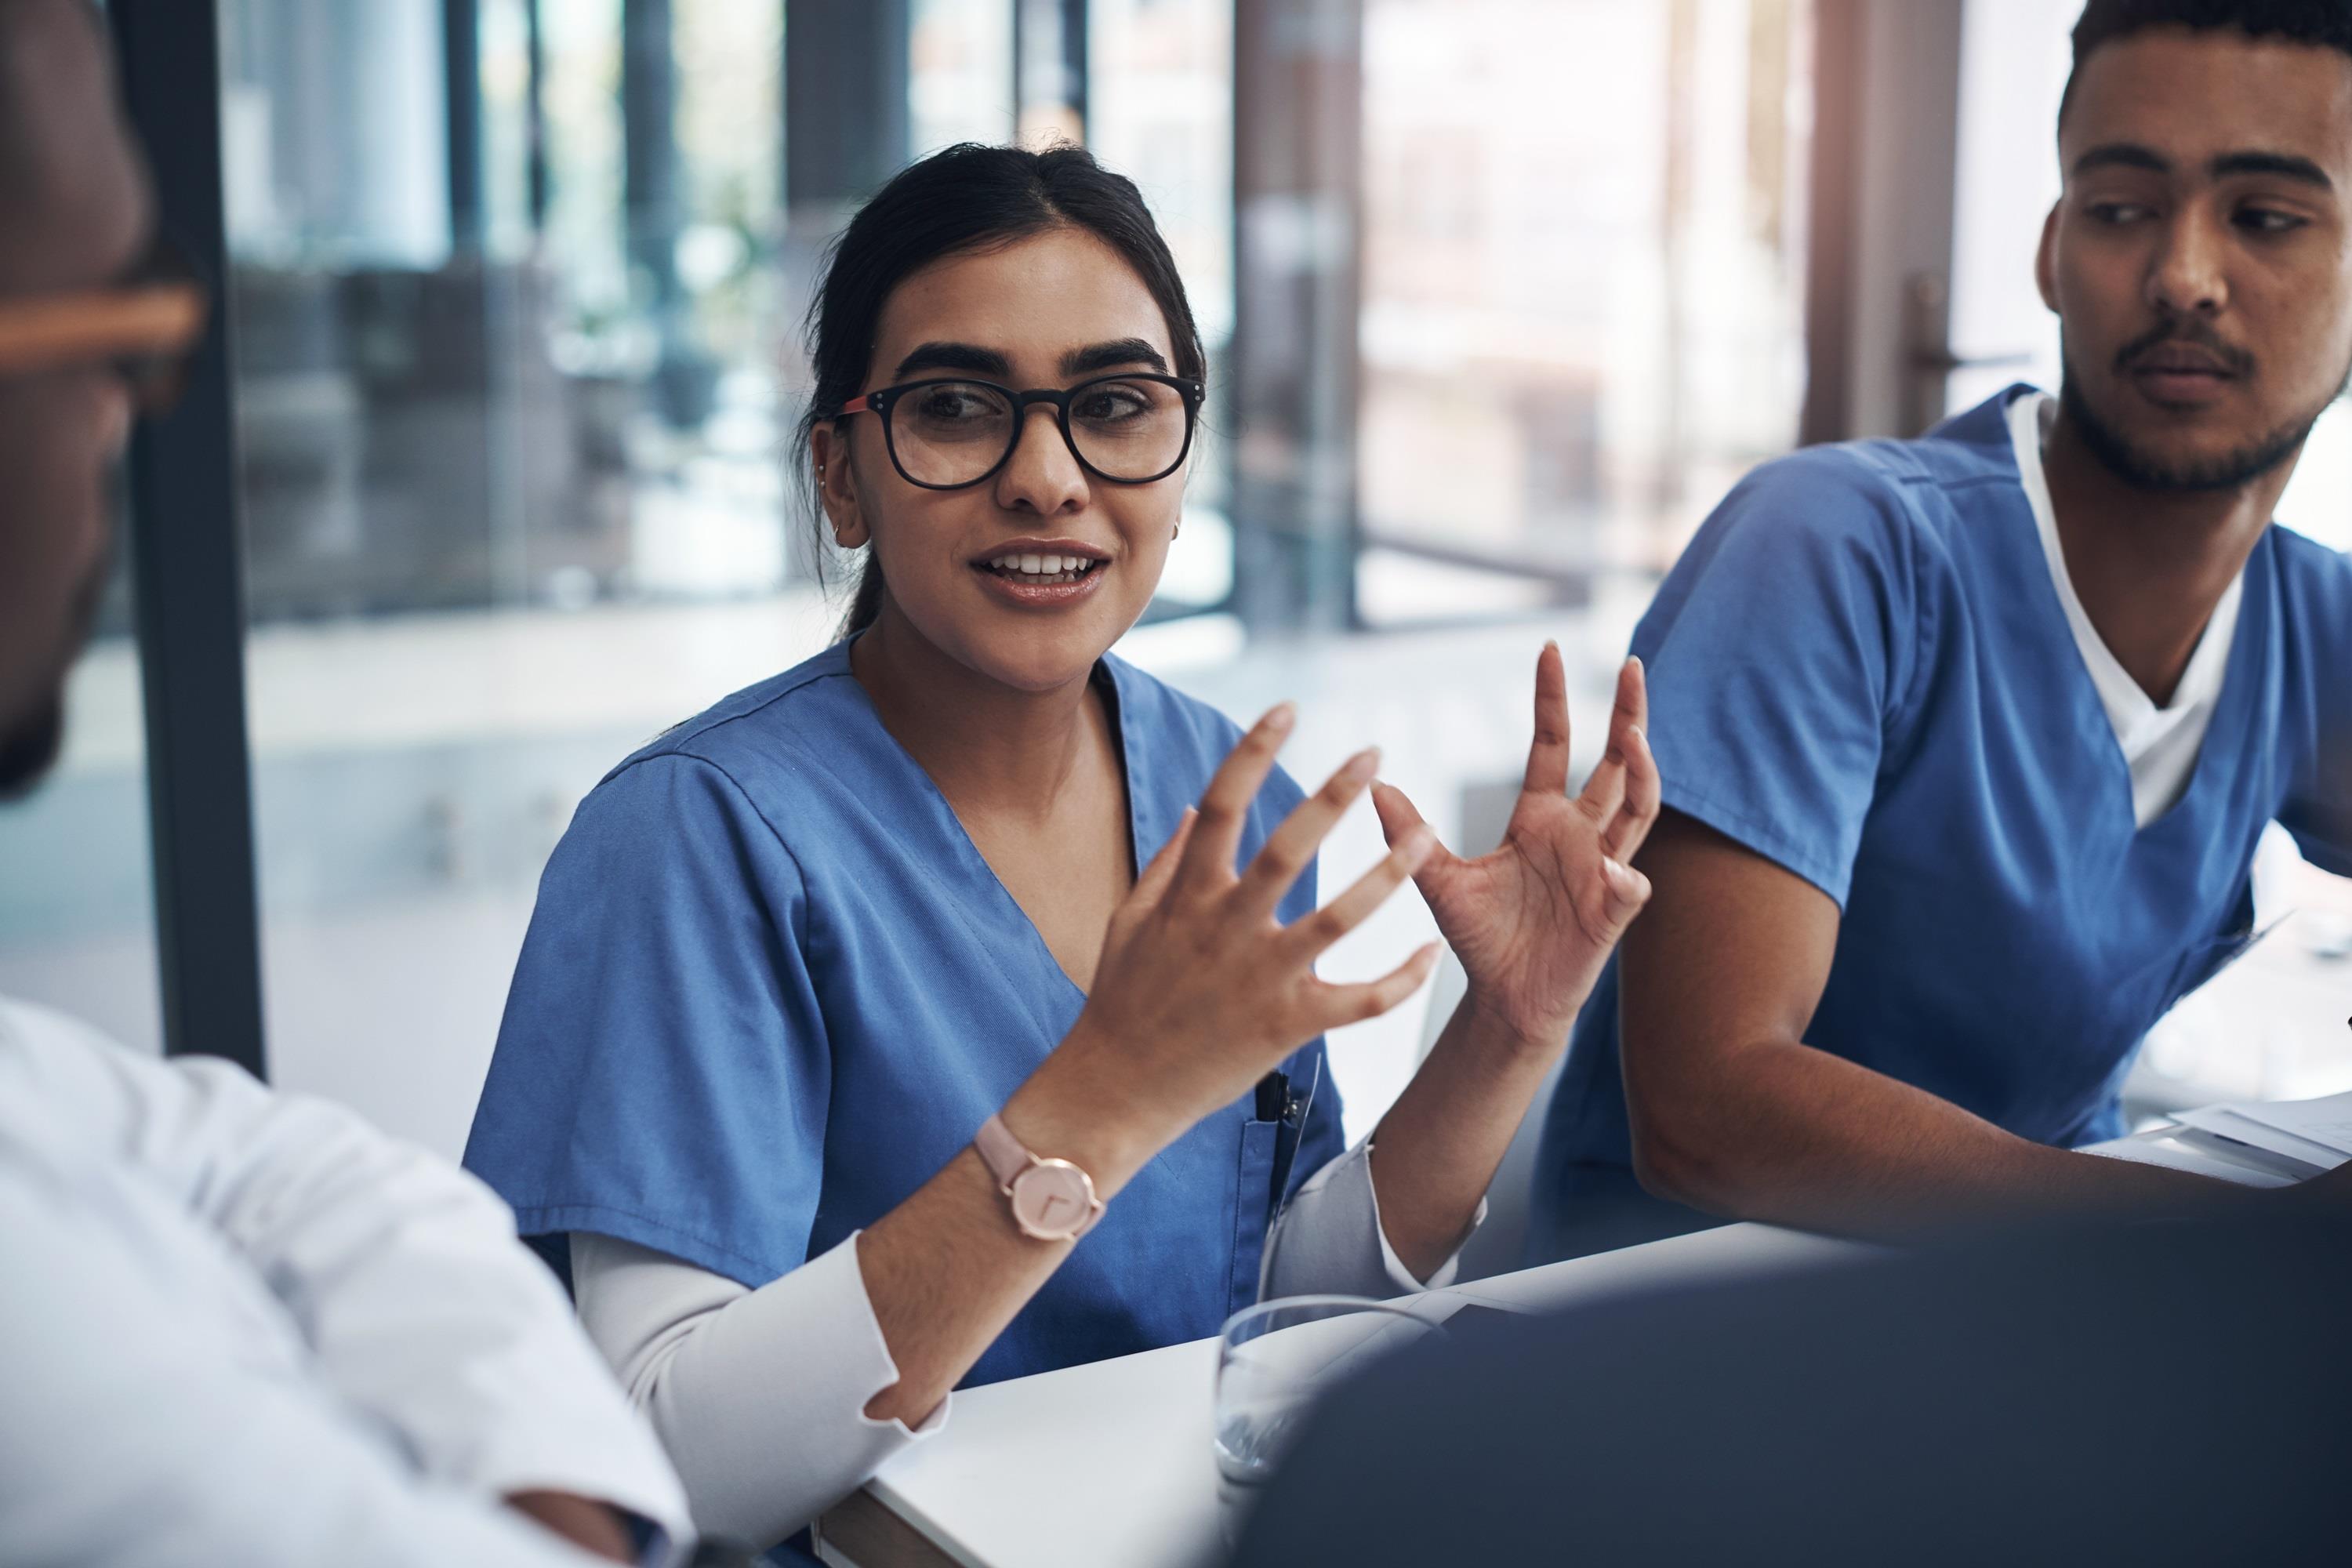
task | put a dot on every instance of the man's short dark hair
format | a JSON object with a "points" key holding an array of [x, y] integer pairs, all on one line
{"points": [[2321, 23]]}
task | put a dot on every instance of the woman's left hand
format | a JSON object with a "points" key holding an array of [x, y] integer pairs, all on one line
{"points": [[1534, 923]]}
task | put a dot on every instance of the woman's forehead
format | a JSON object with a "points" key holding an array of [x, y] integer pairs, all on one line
{"points": [[1032, 301]]}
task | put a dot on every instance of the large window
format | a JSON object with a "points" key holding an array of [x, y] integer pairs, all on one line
{"points": [[77, 897], [1582, 280], [512, 477], [1160, 109], [961, 83]]}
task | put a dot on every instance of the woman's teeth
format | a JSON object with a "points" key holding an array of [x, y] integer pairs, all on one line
{"points": [[1031, 568]]}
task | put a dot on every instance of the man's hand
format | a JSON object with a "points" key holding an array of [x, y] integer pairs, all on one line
{"points": [[588, 1525]]}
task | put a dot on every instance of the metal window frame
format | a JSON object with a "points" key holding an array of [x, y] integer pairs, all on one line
{"points": [[188, 571]]}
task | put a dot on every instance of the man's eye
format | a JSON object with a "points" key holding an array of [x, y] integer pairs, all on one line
{"points": [[2117, 213], [2266, 220]]}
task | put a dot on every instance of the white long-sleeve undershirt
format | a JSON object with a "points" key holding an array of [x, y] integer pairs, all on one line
{"points": [[760, 1395]]}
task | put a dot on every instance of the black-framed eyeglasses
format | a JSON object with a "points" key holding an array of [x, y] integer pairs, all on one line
{"points": [[955, 432], [143, 327]]}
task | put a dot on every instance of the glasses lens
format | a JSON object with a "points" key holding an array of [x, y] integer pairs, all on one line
{"points": [[951, 432], [1130, 427]]}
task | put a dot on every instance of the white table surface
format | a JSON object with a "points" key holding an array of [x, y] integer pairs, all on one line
{"points": [[1109, 1466]]}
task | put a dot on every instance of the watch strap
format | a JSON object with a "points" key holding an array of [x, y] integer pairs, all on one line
{"points": [[1004, 1156]]}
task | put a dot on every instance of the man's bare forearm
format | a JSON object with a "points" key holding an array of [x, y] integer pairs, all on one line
{"points": [[1780, 1132]]}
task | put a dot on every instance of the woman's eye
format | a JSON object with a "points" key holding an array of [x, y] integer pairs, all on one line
{"points": [[951, 403], [1110, 403]]}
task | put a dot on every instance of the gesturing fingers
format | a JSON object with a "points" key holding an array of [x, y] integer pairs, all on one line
{"points": [[1152, 886], [1397, 814], [1338, 1005], [1605, 791], [1292, 845], [1369, 891], [1208, 859], [1639, 812], [1629, 816], [1547, 752], [1626, 891]]}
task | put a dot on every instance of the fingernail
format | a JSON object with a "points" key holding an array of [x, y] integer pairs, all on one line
{"points": [[1284, 716], [1643, 733], [1363, 764], [1635, 660]]}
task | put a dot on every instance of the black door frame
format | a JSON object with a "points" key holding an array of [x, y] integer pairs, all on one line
{"points": [[187, 571]]}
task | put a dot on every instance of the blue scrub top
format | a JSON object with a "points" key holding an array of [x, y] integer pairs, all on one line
{"points": [[1861, 670], [770, 987]]}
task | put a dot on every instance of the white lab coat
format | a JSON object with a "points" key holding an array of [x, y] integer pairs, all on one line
{"points": [[239, 1327]]}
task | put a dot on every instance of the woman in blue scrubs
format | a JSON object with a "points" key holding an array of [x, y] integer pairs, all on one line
{"points": [[898, 1024]]}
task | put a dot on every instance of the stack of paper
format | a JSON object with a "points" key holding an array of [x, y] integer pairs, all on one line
{"points": [[2180, 1156], [2313, 1132]]}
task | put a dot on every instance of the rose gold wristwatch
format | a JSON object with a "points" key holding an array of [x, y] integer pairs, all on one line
{"points": [[1052, 1200]]}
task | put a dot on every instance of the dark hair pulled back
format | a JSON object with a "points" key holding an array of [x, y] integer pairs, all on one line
{"points": [[962, 199]]}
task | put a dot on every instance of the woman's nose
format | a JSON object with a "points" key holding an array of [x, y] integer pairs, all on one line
{"points": [[1042, 475]]}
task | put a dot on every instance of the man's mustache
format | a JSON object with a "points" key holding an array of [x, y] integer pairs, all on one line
{"points": [[2192, 331]]}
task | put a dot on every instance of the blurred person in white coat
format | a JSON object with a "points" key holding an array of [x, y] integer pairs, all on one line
{"points": [[235, 1327]]}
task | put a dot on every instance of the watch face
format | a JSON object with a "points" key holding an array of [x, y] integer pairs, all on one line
{"points": [[1052, 1199]]}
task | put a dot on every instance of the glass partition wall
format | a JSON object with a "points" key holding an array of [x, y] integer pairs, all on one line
{"points": [[1583, 277]]}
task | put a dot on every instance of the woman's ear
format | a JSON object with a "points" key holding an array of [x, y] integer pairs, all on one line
{"points": [[836, 487]]}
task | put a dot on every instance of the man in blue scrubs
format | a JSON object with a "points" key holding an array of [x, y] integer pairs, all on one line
{"points": [[1968, 741]]}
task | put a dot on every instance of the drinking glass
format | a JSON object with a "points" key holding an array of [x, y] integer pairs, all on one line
{"points": [[1274, 1362]]}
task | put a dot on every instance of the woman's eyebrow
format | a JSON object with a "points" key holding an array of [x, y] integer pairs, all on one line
{"points": [[1112, 356], [967, 357]]}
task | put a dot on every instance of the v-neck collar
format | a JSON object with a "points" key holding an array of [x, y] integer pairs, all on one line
{"points": [[1147, 824], [2232, 701], [2139, 723]]}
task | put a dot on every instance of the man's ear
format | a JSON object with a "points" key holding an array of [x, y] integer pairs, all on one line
{"points": [[2045, 261], [836, 487]]}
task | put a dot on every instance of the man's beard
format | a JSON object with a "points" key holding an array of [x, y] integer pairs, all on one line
{"points": [[29, 749], [2146, 470]]}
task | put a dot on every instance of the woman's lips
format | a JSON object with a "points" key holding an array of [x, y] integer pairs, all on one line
{"points": [[1042, 591]]}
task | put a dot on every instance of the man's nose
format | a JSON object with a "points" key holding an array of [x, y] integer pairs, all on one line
{"points": [[2189, 276]]}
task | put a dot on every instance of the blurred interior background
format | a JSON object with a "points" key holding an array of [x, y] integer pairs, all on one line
{"points": [[1501, 297]]}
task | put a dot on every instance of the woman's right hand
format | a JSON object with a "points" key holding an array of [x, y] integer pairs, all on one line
{"points": [[1201, 990]]}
